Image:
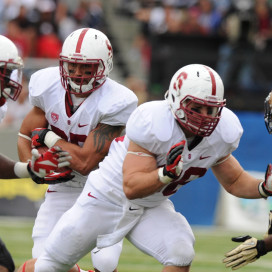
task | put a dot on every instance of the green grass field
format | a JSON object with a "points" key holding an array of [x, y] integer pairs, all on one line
{"points": [[210, 246]]}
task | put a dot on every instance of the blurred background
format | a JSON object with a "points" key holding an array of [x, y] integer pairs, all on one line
{"points": [[151, 40]]}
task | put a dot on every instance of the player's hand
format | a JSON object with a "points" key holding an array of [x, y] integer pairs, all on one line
{"points": [[265, 187], [249, 251], [54, 177], [38, 136], [174, 163], [42, 166]]}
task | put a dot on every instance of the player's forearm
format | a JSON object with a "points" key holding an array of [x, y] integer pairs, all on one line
{"points": [[24, 149], [6, 167], [246, 186], [141, 184], [84, 160], [10, 169]]}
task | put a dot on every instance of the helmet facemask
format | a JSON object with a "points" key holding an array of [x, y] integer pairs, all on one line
{"points": [[10, 79], [268, 113], [195, 122], [90, 78]]}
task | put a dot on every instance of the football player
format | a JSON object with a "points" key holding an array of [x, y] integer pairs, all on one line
{"points": [[40, 167], [167, 144], [252, 249], [79, 108]]}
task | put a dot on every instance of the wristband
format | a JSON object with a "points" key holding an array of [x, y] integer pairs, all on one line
{"points": [[20, 170], [164, 179], [262, 191], [51, 138], [24, 136]]}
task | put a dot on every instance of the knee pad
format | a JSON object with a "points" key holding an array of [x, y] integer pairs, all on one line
{"points": [[5, 258], [180, 254], [106, 259]]}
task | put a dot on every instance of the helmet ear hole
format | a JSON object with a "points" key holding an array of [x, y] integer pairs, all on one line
{"points": [[173, 98]]}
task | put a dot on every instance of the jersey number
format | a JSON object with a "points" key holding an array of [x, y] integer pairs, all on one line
{"points": [[192, 171], [74, 138]]}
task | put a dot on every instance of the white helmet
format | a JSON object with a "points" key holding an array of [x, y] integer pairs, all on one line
{"points": [[89, 47], [199, 84], [11, 66]]}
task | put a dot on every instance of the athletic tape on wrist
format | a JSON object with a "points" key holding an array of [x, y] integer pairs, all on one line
{"points": [[164, 179], [51, 138], [20, 170], [261, 190], [24, 136]]}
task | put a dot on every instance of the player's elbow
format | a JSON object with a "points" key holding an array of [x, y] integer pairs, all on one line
{"points": [[129, 192], [83, 168]]}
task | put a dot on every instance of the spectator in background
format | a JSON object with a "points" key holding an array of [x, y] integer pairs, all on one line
{"points": [[65, 21], [209, 17], [48, 43], [236, 56], [90, 14], [138, 86], [262, 12]]}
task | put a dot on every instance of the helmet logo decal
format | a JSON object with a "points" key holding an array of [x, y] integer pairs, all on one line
{"points": [[109, 48], [213, 81], [80, 40], [179, 82]]}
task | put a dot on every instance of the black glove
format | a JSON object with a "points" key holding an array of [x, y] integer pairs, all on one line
{"points": [[38, 135], [52, 178], [265, 187], [5, 258]]}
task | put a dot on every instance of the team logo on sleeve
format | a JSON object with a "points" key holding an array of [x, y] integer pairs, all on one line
{"points": [[54, 117]]}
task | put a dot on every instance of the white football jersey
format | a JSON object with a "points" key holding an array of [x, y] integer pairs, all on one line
{"points": [[153, 127], [111, 104]]}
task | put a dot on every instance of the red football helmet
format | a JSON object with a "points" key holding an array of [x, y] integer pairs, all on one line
{"points": [[199, 84], [85, 61]]}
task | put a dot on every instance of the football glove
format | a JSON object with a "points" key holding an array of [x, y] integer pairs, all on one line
{"points": [[43, 136], [5, 258], [174, 163], [249, 251], [42, 167], [265, 187]]}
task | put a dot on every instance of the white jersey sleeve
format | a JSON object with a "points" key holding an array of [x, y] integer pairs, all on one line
{"points": [[151, 126], [42, 85], [116, 103]]}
